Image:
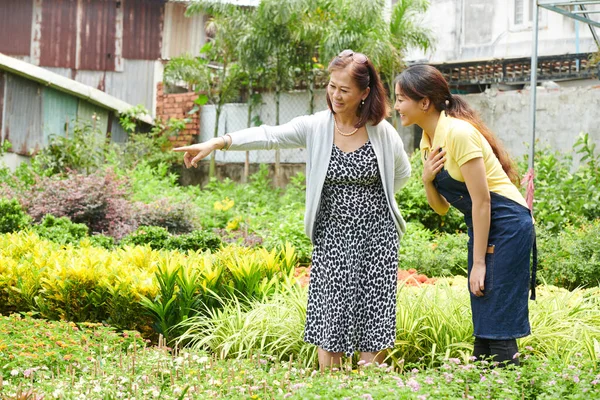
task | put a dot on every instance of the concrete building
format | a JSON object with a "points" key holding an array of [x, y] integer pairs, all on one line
{"points": [[484, 47]]}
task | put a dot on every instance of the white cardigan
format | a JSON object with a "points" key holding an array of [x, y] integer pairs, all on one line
{"points": [[315, 133]]}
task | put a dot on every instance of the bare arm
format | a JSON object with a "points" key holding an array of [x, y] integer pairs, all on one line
{"points": [[431, 167], [196, 152], [475, 178]]}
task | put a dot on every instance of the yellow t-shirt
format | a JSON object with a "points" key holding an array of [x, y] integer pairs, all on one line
{"points": [[462, 143]]}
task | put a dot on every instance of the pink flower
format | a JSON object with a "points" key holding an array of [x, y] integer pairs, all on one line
{"points": [[362, 362], [367, 396], [429, 380], [454, 360], [517, 354], [28, 372], [297, 386], [528, 348], [482, 378], [288, 394], [413, 384], [576, 379]]}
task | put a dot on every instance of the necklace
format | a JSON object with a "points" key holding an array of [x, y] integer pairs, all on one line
{"points": [[343, 133]]}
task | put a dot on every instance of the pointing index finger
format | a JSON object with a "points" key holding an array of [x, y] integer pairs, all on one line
{"points": [[183, 148]]}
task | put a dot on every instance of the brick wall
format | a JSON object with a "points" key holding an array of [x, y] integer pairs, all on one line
{"points": [[177, 105]]}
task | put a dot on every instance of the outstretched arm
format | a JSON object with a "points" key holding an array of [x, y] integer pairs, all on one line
{"points": [[196, 152]]}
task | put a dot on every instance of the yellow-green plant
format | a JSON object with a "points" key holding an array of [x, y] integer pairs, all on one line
{"points": [[132, 287]]}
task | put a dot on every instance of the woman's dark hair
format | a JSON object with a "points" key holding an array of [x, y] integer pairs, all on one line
{"points": [[363, 72], [420, 81]]}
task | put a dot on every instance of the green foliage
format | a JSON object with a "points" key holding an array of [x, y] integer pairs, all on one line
{"points": [[12, 216], [415, 208], [60, 230], [433, 324], [565, 193], [570, 258], [92, 355], [99, 240], [86, 151], [4, 147], [154, 236], [195, 241], [441, 254]]}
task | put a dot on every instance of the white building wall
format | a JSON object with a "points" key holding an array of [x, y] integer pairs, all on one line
{"points": [[484, 29]]}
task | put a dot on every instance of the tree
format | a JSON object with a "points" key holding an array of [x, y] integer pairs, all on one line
{"points": [[217, 75]]}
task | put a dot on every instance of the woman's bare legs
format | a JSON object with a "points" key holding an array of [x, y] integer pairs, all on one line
{"points": [[328, 359], [373, 357]]}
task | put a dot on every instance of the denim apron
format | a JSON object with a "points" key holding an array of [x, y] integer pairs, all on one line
{"points": [[502, 313]]}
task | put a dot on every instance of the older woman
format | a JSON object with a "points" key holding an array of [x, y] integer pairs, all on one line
{"points": [[355, 163]]}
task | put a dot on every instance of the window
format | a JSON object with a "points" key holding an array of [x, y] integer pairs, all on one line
{"points": [[523, 12]]}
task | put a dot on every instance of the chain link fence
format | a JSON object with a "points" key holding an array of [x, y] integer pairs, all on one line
{"points": [[234, 117]]}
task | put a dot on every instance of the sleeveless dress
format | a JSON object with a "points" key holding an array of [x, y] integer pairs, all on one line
{"points": [[353, 278]]}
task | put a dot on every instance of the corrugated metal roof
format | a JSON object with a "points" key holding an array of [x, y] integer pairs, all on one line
{"points": [[23, 117], [15, 26], [58, 44], [142, 28], [97, 35], [67, 85]]}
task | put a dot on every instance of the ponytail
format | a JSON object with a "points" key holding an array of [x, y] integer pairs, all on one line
{"points": [[420, 81]]}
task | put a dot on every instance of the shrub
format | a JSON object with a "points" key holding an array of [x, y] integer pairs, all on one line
{"points": [[415, 208], [60, 230], [154, 236], [97, 201], [566, 193], [106, 242], [196, 240], [84, 151], [12, 216], [572, 258], [441, 254], [176, 217]]}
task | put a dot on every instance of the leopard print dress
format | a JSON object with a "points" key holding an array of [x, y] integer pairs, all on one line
{"points": [[353, 278]]}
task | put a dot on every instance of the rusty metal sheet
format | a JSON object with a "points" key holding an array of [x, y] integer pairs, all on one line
{"points": [[142, 28], [136, 84], [23, 115], [58, 42], [97, 35], [15, 27], [182, 34]]}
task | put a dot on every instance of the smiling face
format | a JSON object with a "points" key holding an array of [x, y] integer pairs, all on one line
{"points": [[411, 111], [344, 94]]}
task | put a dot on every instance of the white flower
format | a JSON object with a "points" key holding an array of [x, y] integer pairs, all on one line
{"points": [[14, 372]]}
